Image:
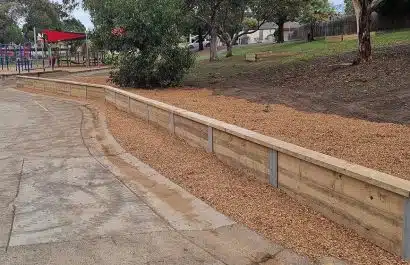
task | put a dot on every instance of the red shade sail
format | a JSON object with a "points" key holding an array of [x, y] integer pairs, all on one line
{"points": [[56, 36]]}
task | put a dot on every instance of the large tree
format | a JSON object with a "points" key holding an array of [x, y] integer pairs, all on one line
{"points": [[208, 12], [9, 31], [240, 17], [364, 10], [229, 19], [282, 11], [315, 11], [39, 14]]}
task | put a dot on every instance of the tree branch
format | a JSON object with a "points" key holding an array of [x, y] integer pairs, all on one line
{"points": [[374, 5], [222, 34], [251, 31], [203, 20], [214, 10]]}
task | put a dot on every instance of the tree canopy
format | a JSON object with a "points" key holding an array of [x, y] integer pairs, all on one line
{"points": [[394, 9], [282, 11], [72, 25], [349, 9], [147, 33], [42, 14], [39, 14], [238, 18], [9, 30], [316, 11]]}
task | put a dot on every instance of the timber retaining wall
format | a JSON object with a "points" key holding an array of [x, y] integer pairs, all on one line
{"points": [[374, 204]]}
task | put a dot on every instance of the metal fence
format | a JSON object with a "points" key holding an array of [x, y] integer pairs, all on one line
{"points": [[346, 25]]}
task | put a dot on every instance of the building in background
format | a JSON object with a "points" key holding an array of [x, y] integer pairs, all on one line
{"points": [[266, 33]]}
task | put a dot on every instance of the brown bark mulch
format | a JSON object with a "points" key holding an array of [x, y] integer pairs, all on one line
{"points": [[240, 196]]}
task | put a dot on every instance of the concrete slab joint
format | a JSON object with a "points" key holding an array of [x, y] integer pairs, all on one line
{"points": [[210, 146], [273, 168]]}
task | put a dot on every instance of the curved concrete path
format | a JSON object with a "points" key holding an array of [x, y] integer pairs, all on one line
{"points": [[69, 194]]}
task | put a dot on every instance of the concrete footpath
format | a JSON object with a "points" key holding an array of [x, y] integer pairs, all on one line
{"points": [[69, 194]]}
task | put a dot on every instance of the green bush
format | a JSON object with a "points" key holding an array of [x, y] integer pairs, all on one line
{"points": [[146, 34], [155, 67], [110, 58]]}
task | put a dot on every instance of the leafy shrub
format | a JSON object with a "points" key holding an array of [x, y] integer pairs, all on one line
{"points": [[110, 58], [155, 67], [146, 34]]}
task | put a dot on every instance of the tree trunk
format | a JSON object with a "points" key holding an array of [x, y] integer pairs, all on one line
{"points": [[229, 49], [311, 35], [214, 42], [229, 42], [365, 47], [200, 39], [357, 11], [281, 31]]}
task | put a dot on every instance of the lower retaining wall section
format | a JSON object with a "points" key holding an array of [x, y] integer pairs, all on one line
{"points": [[122, 102], [61, 87], [139, 109], [368, 209], [109, 96], [158, 116], [195, 133], [240, 153], [374, 204]]}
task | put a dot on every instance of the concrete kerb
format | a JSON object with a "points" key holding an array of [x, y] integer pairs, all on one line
{"points": [[275, 146], [209, 230]]}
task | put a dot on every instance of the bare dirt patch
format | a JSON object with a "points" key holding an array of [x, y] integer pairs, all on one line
{"points": [[378, 91]]}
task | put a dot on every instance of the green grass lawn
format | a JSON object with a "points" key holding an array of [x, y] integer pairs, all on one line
{"points": [[236, 66], [302, 50]]}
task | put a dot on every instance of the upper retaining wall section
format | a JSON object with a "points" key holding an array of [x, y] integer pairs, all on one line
{"points": [[374, 204]]}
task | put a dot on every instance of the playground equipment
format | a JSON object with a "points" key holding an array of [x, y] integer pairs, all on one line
{"points": [[18, 56], [64, 51], [53, 49], [67, 58]]}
